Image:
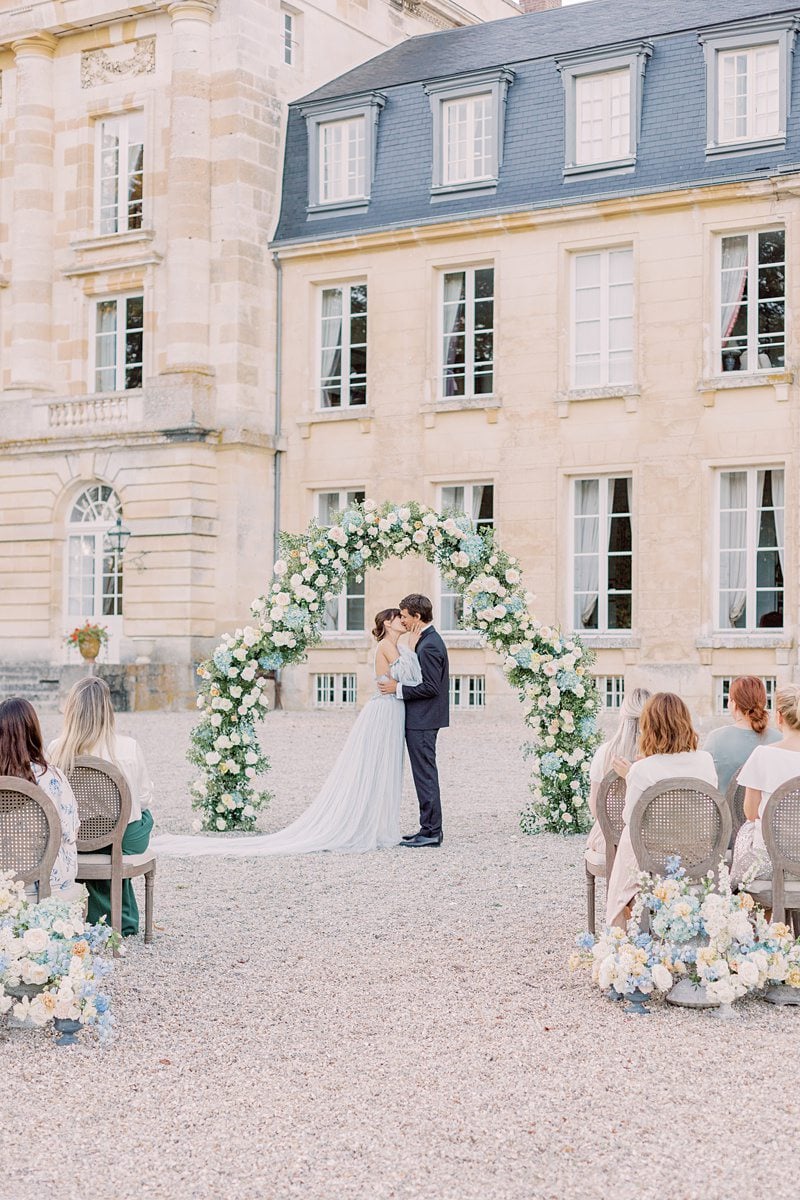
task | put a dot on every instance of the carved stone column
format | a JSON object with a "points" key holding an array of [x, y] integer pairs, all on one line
{"points": [[32, 218], [189, 189]]}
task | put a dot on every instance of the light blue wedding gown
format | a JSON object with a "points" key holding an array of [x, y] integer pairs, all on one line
{"points": [[358, 807]]}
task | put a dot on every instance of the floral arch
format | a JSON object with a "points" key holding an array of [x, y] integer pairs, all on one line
{"points": [[548, 669]]}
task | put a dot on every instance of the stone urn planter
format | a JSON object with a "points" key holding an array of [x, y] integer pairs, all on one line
{"points": [[89, 648], [688, 994]]}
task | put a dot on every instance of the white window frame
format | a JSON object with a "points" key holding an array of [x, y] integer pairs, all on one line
{"points": [[366, 108], [493, 83], [611, 687], [630, 56], [469, 332], [96, 528], [123, 121], [720, 40], [723, 688], [605, 318], [347, 496], [341, 685], [603, 555], [468, 692], [289, 22], [120, 365], [346, 345], [751, 550], [443, 589], [752, 349]]}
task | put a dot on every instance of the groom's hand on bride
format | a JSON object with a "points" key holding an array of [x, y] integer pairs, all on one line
{"points": [[388, 686]]}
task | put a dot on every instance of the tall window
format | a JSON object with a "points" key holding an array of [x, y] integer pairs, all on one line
{"points": [[120, 173], [752, 306], [602, 572], [344, 613], [94, 570], [603, 117], [119, 344], [343, 337], [342, 160], [468, 139], [288, 37], [477, 501], [749, 81], [751, 549], [468, 332], [602, 318]]}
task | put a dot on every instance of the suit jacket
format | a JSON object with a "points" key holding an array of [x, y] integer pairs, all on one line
{"points": [[428, 703]]}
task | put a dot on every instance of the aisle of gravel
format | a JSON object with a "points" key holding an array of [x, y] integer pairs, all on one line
{"points": [[400, 1024]]}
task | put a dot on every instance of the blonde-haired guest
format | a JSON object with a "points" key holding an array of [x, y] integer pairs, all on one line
{"points": [[765, 770], [623, 744], [668, 750], [90, 728]]}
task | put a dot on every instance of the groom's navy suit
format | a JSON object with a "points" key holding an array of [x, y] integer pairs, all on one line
{"points": [[428, 711]]}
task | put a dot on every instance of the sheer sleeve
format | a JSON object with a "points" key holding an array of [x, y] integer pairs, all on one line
{"points": [[406, 668]]}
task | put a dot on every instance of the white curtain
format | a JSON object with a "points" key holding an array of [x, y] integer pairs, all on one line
{"points": [[451, 309], [734, 540], [778, 502], [331, 339], [733, 280], [587, 541]]}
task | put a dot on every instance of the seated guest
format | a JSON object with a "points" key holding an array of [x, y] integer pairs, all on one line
{"points": [[624, 744], [732, 745], [668, 749], [22, 755], [89, 729], [765, 770]]}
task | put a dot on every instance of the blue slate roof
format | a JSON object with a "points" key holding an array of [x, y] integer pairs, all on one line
{"points": [[673, 137]]}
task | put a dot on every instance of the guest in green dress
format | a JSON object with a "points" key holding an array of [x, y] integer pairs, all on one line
{"points": [[89, 728], [731, 745]]}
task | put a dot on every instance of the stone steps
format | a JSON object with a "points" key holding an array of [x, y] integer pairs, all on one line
{"points": [[39, 684]]}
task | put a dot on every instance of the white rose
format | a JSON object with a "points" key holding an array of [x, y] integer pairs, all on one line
{"points": [[212, 758], [748, 973], [34, 941], [250, 635], [420, 536], [216, 719], [403, 514], [280, 568], [662, 979]]}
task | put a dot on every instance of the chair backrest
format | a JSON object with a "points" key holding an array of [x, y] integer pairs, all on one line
{"points": [[610, 805], [780, 828], [30, 832], [687, 817], [735, 798], [104, 804]]}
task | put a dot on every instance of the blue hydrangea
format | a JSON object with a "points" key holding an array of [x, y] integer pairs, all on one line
{"points": [[356, 559], [523, 658], [295, 616], [550, 764], [587, 727], [352, 520], [514, 604], [272, 661], [474, 547], [674, 868], [568, 680], [585, 941], [222, 659]]}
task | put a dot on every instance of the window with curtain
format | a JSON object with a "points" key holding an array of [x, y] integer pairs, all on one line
{"points": [[751, 549], [94, 570], [119, 173], [343, 346], [752, 314], [119, 343], [603, 117], [468, 332], [602, 318], [602, 566], [342, 148], [468, 139], [748, 83], [476, 500], [346, 612]]}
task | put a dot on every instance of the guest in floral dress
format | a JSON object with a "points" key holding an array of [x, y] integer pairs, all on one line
{"points": [[89, 728], [22, 755], [623, 744]]}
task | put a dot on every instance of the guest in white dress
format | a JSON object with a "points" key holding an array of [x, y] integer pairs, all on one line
{"points": [[765, 770], [668, 748], [731, 745], [89, 728], [22, 755], [623, 744]]}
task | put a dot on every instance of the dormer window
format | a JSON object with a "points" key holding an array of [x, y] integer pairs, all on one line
{"points": [[468, 114], [603, 105], [748, 84], [342, 139]]}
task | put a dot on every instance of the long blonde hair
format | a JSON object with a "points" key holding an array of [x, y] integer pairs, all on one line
{"points": [[625, 742], [88, 724], [787, 702]]}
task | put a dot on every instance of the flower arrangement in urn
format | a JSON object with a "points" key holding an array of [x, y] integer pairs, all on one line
{"points": [[52, 964], [705, 946], [89, 639]]}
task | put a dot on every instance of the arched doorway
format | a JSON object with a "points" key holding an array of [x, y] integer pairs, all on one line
{"points": [[93, 568]]}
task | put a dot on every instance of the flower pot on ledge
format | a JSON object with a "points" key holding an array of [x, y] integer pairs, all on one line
{"points": [[89, 648]]}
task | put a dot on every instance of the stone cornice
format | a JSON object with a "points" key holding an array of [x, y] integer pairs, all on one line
{"points": [[47, 18]]}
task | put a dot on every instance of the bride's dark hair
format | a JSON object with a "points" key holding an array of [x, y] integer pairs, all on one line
{"points": [[381, 620]]}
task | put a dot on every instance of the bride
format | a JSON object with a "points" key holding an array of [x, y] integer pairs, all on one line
{"points": [[358, 808]]}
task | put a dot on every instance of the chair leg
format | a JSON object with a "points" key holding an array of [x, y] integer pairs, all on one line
{"points": [[149, 882], [116, 902], [590, 901]]}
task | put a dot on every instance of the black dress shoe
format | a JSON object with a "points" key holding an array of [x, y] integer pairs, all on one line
{"points": [[422, 839], [409, 837]]}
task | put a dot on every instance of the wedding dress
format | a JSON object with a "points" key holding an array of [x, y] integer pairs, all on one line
{"points": [[358, 807]]}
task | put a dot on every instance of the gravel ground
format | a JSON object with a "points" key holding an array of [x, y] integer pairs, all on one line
{"points": [[400, 1024]]}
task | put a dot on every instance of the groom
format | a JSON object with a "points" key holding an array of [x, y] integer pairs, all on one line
{"points": [[427, 711]]}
